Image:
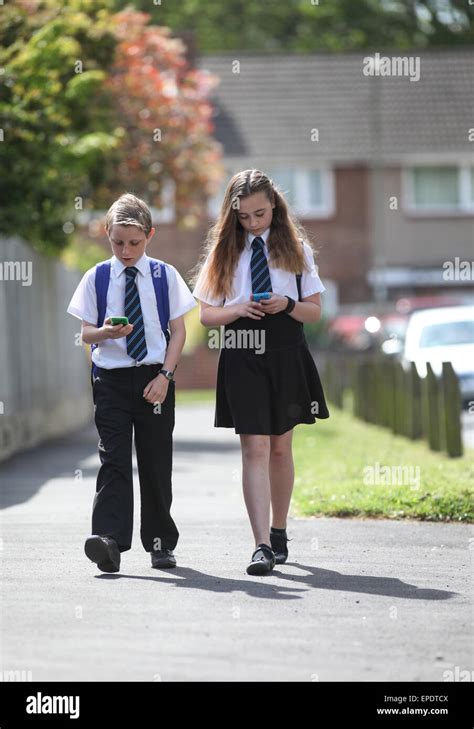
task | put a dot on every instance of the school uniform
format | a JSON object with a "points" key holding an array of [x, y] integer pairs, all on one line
{"points": [[267, 393], [122, 412]]}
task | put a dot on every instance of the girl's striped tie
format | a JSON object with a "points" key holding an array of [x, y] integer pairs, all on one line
{"points": [[136, 343], [259, 270]]}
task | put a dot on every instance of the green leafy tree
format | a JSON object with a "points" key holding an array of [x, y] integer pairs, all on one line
{"points": [[162, 105], [53, 113], [83, 93], [304, 26]]}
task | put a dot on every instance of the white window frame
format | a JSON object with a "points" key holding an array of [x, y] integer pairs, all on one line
{"points": [[465, 206], [303, 208]]}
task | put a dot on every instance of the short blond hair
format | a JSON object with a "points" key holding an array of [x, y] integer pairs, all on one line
{"points": [[129, 210]]}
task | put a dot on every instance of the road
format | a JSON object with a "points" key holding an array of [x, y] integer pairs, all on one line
{"points": [[359, 600]]}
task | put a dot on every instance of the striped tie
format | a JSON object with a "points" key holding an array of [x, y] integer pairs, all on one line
{"points": [[261, 281], [136, 343]]}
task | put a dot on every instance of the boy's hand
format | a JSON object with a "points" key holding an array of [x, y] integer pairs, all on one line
{"points": [[156, 390], [117, 331]]}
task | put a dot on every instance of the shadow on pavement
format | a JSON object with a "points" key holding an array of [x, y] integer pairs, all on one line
{"points": [[317, 579]]}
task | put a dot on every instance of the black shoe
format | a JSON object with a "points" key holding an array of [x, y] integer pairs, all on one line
{"points": [[263, 561], [279, 546], [104, 552], [163, 559]]}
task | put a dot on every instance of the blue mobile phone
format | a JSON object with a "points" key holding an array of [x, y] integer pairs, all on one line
{"points": [[257, 297]]}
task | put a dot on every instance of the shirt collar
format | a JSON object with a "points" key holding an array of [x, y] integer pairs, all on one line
{"points": [[142, 265], [250, 238]]}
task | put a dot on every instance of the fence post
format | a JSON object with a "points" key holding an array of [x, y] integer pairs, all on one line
{"points": [[452, 410], [337, 380], [431, 409], [414, 407], [399, 402], [357, 389], [371, 391]]}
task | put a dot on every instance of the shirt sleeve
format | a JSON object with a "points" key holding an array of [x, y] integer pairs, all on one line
{"points": [[181, 299], [83, 304], [202, 294], [310, 281]]}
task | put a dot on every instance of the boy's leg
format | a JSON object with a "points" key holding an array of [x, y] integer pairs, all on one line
{"points": [[112, 513], [154, 445]]}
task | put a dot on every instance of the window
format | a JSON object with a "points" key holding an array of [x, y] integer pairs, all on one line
{"points": [[309, 192], [438, 189], [447, 334]]}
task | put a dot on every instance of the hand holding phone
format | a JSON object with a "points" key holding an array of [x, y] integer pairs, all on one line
{"points": [[117, 327]]}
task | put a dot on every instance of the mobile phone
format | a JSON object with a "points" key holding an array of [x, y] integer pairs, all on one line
{"points": [[114, 320], [257, 297]]}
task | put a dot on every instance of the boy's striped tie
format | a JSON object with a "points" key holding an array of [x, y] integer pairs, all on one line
{"points": [[136, 343], [259, 270]]}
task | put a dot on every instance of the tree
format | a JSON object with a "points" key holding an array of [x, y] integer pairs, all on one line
{"points": [[55, 65], [163, 106], [83, 90], [305, 26]]}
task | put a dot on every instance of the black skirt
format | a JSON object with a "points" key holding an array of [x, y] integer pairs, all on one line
{"points": [[267, 381]]}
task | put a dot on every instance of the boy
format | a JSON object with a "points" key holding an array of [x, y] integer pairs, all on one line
{"points": [[133, 386]]}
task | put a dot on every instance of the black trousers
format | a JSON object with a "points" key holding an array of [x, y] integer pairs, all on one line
{"points": [[121, 411]]}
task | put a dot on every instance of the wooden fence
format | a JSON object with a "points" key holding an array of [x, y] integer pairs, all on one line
{"points": [[386, 394]]}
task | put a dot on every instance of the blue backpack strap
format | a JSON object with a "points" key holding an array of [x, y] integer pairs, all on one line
{"points": [[102, 279], [160, 284]]}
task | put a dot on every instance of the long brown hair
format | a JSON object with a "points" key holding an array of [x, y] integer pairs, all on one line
{"points": [[226, 239]]}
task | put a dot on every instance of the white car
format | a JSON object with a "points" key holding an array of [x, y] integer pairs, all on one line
{"points": [[445, 334]]}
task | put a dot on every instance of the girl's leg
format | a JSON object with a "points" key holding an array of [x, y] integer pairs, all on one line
{"points": [[282, 476], [256, 484]]}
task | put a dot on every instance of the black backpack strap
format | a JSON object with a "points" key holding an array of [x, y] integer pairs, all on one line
{"points": [[299, 276], [298, 284]]}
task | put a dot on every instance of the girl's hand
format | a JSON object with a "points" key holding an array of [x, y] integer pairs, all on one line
{"points": [[252, 309], [275, 304], [117, 331], [156, 390]]}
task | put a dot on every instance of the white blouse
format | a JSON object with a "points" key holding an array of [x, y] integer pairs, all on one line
{"points": [[283, 282]]}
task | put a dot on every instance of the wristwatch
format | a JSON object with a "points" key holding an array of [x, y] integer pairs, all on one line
{"points": [[167, 373], [290, 306]]}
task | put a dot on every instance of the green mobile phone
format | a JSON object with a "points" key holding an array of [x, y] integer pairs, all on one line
{"points": [[114, 320]]}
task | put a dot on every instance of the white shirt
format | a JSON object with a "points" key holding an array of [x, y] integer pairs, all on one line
{"points": [[112, 353], [283, 282]]}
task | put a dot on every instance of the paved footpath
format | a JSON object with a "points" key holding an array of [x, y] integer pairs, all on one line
{"points": [[359, 600]]}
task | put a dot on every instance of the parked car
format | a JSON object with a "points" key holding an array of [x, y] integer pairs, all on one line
{"points": [[444, 334], [375, 325], [394, 323]]}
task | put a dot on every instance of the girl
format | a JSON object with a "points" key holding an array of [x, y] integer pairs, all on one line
{"points": [[267, 381]]}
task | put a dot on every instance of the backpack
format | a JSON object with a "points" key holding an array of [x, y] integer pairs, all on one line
{"points": [[160, 284]]}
